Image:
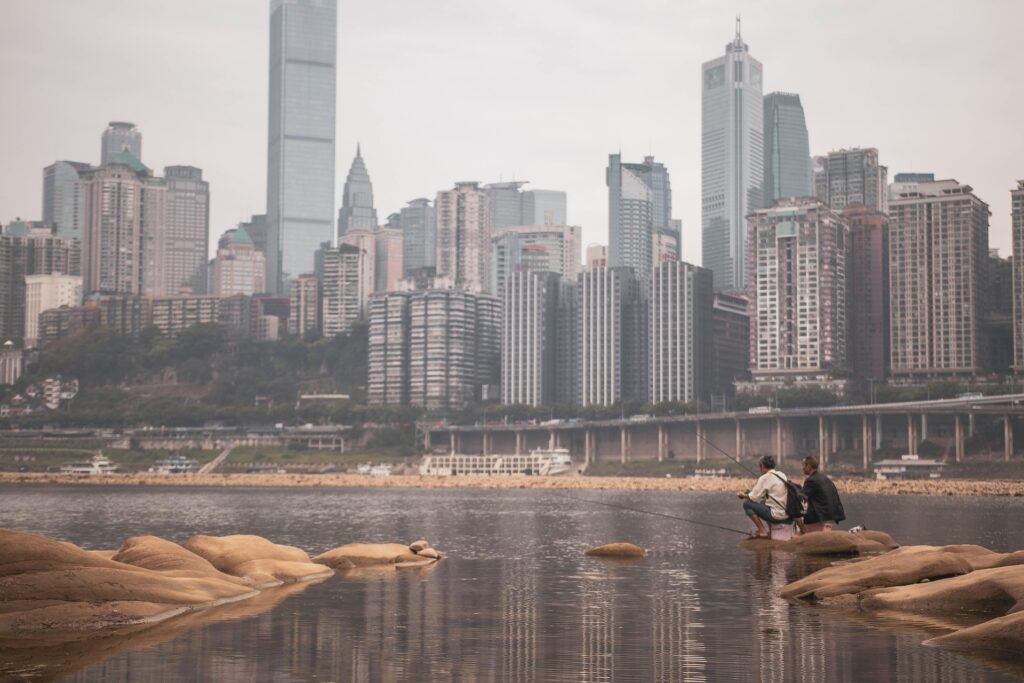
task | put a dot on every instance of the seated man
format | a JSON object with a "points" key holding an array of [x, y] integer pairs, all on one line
{"points": [[824, 509], [766, 502]]}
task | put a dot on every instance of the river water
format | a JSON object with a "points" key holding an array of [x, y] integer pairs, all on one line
{"points": [[516, 600]]}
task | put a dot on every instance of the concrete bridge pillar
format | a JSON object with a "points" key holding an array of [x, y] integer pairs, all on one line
{"points": [[588, 447], [823, 441], [924, 426], [1007, 438], [485, 442], [453, 442], [834, 428], [700, 442], [878, 431], [623, 444], [661, 443], [552, 440], [911, 435], [519, 443], [780, 448], [958, 437], [970, 424], [739, 440]]}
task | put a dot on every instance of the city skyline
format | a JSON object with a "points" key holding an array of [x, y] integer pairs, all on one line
{"points": [[215, 117]]}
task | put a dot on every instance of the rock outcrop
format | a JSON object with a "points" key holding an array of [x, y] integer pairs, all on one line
{"points": [[617, 550], [255, 559], [376, 554], [829, 543]]}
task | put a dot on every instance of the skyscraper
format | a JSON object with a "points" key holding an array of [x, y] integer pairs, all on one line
{"points": [[853, 176], [340, 288], [187, 236], [543, 207], [388, 252], [938, 258], [36, 251], [120, 136], [612, 336], [388, 349], [419, 236], [357, 212], [787, 155], [553, 248], [1017, 226], [680, 332], [510, 205], [868, 267], [365, 242], [463, 236], [62, 197], [732, 158], [300, 150], [238, 267], [639, 206], [304, 308]]}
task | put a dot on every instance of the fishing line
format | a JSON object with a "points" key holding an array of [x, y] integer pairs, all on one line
{"points": [[650, 512]]}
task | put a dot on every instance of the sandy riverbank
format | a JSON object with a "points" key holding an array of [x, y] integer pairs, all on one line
{"points": [[943, 487]]}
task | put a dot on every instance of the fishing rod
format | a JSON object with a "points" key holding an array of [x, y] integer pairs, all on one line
{"points": [[737, 461], [651, 512]]}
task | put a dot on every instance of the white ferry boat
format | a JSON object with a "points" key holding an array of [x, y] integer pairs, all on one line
{"points": [[98, 465], [175, 464], [540, 461]]}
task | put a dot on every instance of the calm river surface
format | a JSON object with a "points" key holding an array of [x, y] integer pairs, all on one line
{"points": [[516, 600]]}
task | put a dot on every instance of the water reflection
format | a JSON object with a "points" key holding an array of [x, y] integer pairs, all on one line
{"points": [[515, 601]]}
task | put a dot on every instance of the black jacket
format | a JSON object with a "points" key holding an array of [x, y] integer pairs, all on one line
{"points": [[823, 504]]}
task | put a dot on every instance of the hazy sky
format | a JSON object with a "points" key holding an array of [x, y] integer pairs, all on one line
{"points": [[540, 90]]}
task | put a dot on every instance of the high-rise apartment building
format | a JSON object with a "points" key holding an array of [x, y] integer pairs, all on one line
{"points": [[357, 212], [463, 236], [665, 248], [120, 136], [175, 314], [868, 266], [300, 159], [787, 154], [1017, 228], [388, 253], [340, 288], [732, 160], [365, 242], [680, 332], [238, 268], [62, 197], [25, 253], [938, 258], [639, 206], [796, 270], [388, 349], [304, 308], [419, 236], [597, 256], [553, 248], [998, 322], [852, 176], [44, 292], [535, 333], [612, 326], [730, 350], [187, 234]]}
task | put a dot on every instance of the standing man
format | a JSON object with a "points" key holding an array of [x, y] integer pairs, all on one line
{"points": [[824, 509]]}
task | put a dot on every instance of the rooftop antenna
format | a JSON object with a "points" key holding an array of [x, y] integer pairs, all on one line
{"points": [[737, 26]]}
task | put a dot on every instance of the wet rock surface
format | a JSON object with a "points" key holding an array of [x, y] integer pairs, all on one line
{"points": [[617, 550]]}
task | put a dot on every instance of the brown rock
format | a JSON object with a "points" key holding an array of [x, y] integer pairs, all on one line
{"points": [[418, 546], [363, 554], [1003, 637], [617, 550], [996, 591], [158, 554], [429, 552], [255, 559]]}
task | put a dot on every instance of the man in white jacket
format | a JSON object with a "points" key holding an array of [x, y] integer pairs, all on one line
{"points": [[766, 502]]}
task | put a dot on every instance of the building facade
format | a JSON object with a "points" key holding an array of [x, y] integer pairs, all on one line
{"points": [[553, 248], [463, 218], [357, 212], [388, 253], [512, 206], [787, 153], [120, 136], [340, 290], [730, 350], [612, 346], [868, 265], [796, 270], [187, 235], [388, 349], [419, 236], [639, 207], [175, 314], [852, 176], [365, 242], [62, 198], [732, 160], [680, 332], [304, 309], [301, 133], [44, 292], [36, 251], [597, 256], [1017, 235], [938, 258], [238, 268]]}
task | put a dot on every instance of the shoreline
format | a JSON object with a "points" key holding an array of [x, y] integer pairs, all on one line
{"points": [[939, 487]]}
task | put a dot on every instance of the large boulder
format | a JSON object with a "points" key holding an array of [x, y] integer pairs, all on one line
{"points": [[617, 550], [362, 555], [998, 591], [1001, 637], [829, 543], [255, 559], [161, 555]]}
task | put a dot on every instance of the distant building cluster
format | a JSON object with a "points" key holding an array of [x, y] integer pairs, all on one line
{"points": [[817, 271]]}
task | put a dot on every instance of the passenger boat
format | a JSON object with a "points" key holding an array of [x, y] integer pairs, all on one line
{"points": [[99, 464], [540, 461], [175, 464]]}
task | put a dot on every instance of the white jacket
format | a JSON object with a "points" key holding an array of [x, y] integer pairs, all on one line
{"points": [[771, 491]]}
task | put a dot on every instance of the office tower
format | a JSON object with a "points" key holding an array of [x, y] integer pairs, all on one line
{"points": [[300, 150], [938, 257], [553, 248], [62, 197], [597, 256], [454, 347], [612, 326], [868, 266], [680, 332], [187, 236], [238, 267], [1017, 229], [730, 350], [175, 314], [543, 207], [463, 236], [796, 272], [340, 288], [388, 349], [732, 156], [535, 334], [388, 252], [787, 154], [304, 308], [819, 177], [120, 136], [256, 226], [365, 242], [419, 237], [639, 206], [34, 250], [998, 322], [664, 248], [44, 292], [357, 212], [853, 176], [506, 203]]}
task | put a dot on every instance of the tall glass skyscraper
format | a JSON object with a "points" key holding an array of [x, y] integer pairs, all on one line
{"points": [[639, 205], [300, 149], [787, 153], [732, 158]]}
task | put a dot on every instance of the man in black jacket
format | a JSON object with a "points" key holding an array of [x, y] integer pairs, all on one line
{"points": [[824, 509]]}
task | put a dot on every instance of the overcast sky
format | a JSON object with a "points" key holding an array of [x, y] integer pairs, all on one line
{"points": [[540, 90]]}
